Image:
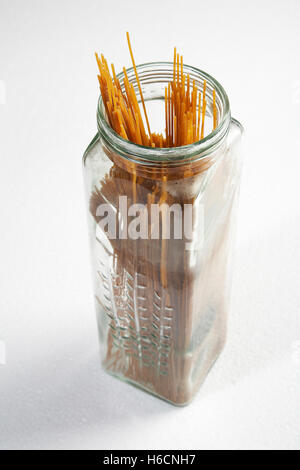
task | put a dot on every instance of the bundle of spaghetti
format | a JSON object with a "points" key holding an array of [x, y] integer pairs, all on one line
{"points": [[151, 264], [185, 108], [138, 346]]}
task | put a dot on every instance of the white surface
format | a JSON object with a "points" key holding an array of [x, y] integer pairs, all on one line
{"points": [[53, 393]]}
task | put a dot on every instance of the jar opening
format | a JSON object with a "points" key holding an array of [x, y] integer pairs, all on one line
{"points": [[154, 77]]}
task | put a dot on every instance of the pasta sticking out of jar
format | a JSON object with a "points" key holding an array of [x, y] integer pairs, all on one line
{"points": [[161, 202], [185, 108]]}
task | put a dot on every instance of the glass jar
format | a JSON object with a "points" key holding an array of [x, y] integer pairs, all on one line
{"points": [[161, 223]]}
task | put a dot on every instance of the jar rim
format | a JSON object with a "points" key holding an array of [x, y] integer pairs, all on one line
{"points": [[194, 151]]}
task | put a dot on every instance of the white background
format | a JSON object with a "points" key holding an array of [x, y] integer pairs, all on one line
{"points": [[53, 393]]}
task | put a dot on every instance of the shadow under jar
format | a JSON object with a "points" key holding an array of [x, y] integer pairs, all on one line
{"points": [[162, 296]]}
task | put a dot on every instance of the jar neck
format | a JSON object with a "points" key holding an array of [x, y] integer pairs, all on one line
{"points": [[154, 77]]}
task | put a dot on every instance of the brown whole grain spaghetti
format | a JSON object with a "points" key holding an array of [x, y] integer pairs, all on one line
{"points": [[161, 303]]}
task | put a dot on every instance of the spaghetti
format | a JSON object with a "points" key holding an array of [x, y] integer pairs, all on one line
{"points": [[185, 108]]}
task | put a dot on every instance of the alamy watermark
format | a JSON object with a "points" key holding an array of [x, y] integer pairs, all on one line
{"points": [[2, 92], [2, 353], [154, 221], [296, 92], [296, 352]]}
